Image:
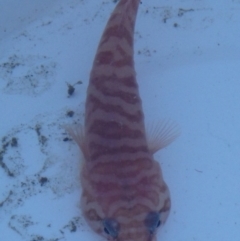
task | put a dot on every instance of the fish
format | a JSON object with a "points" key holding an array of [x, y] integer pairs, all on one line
{"points": [[124, 196]]}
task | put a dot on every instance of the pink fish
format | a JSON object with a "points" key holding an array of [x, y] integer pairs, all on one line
{"points": [[124, 195]]}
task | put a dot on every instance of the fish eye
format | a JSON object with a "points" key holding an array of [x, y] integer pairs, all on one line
{"points": [[152, 221], [106, 231], [111, 227]]}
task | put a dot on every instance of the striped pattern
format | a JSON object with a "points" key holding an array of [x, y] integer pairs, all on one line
{"points": [[122, 184]]}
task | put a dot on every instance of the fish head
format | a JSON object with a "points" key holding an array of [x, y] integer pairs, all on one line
{"points": [[133, 226]]}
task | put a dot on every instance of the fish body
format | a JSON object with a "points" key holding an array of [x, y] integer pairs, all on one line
{"points": [[124, 195]]}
